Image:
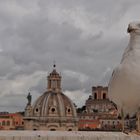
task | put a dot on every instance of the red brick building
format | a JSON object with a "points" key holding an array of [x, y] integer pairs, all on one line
{"points": [[11, 121]]}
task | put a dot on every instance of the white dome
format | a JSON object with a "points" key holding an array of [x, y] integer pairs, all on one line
{"points": [[55, 104]]}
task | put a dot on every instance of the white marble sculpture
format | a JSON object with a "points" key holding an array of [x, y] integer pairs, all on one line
{"points": [[124, 85]]}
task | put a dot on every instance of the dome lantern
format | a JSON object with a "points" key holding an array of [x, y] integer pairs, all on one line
{"points": [[54, 81]]}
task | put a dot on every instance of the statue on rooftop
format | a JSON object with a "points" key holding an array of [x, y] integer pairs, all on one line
{"points": [[29, 98]]}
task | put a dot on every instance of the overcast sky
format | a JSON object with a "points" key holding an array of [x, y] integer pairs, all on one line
{"points": [[86, 38]]}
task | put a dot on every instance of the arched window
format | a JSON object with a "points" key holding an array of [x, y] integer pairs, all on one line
{"points": [[104, 95], [69, 110], [37, 110], [3, 123], [8, 123], [95, 95]]}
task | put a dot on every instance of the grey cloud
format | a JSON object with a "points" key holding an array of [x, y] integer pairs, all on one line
{"points": [[84, 37]]}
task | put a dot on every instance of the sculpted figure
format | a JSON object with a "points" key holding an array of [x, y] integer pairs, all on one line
{"points": [[124, 85], [29, 98]]}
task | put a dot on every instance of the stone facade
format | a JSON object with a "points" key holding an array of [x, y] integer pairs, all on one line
{"points": [[98, 111], [53, 110], [99, 103]]}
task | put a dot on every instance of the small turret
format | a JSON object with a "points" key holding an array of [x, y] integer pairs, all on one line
{"points": [[54, 80]]}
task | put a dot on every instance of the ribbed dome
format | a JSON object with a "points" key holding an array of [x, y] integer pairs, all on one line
{"points": [[52, 110], [54, 104]]}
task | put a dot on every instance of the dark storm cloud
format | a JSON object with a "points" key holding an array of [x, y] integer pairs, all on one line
{"points": [[85, 38]]}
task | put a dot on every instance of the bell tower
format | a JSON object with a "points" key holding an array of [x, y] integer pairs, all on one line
{"points": [[54, 80]]}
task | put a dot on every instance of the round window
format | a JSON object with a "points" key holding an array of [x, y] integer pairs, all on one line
{"points": [[53, 109], [36, 110]]}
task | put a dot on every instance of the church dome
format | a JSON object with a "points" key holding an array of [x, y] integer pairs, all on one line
{"points": [[52, 110], [54, 104]]}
